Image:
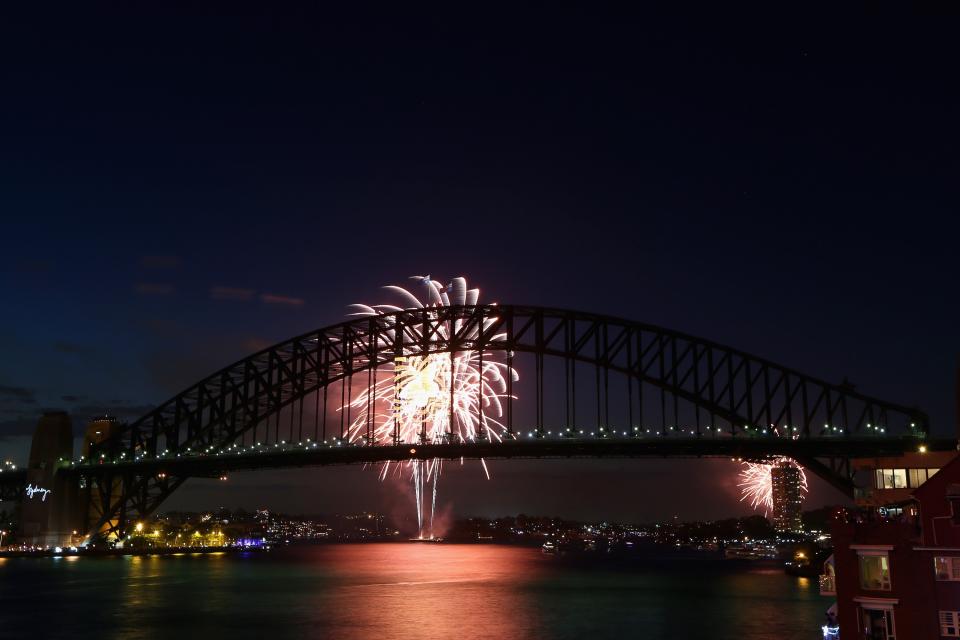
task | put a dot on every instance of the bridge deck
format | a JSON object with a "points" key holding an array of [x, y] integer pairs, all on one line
{"points": [[314, 454]]}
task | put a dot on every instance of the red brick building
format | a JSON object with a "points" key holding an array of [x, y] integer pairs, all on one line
{"points": [[896, 563]]}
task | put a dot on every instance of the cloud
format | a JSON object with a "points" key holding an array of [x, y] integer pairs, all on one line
{"points": [[161, 328], [254, 344], [160, 262], [269, 298], [18, 395], [19, 426], [71, 347], [153, 289], [120, 411], [72, 398], [174, 369], [34, 266], [196, 356], [24, 423], [231, 293]]}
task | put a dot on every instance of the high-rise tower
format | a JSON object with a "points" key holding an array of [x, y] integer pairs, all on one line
{"points": [[785, 478]]}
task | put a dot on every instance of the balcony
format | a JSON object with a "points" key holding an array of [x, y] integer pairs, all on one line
{"points": [[828, 585], [870, 528]]}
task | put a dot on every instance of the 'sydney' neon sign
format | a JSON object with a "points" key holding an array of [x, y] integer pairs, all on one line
{"points": [[32, 490]]}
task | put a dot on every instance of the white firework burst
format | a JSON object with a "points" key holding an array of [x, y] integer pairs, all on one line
{"points": [[756, 482], [438, 397]]}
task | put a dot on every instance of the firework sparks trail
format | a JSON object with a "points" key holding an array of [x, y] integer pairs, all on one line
{"points": [[756, 482], [431, 398]]}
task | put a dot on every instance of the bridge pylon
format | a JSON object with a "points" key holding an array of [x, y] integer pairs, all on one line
{"points": [[50, 512]]}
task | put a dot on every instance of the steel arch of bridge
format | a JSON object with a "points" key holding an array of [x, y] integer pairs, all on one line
{"points": [[722, 391]]}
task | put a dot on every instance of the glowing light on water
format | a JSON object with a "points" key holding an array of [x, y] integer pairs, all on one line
{"points": [[756, 482], [438, 397]]}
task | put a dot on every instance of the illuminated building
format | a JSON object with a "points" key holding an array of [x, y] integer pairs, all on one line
{"points": [[895, 570], [786, 483]]}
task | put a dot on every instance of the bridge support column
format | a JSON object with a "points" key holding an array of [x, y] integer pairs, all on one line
{"points": [[101, 495], [50, 514]]}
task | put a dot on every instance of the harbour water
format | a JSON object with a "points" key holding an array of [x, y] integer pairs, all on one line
{"points": [[401, 591]]}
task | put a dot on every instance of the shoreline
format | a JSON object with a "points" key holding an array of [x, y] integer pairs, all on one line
{"points": [[645, 554], [104, 553]]}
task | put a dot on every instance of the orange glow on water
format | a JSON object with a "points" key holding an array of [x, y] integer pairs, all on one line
{"points": [[434, 591]]}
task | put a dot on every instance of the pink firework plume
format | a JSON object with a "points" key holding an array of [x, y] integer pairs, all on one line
{"points": [[756, 482], [434, 397]]}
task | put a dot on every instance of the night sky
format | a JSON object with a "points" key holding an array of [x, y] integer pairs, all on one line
{"points": [[180, 189]]}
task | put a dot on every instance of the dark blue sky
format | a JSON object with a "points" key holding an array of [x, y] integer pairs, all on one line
{"points": [[179, 189]]}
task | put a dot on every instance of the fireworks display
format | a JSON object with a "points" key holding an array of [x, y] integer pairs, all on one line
{"points": [[756, 482], [439, 397], [459, 397]]}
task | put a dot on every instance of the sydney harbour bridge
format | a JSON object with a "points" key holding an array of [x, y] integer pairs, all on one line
{"points": [[593, 386]]}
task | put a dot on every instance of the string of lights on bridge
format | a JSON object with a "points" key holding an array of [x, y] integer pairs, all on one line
{"points": [[283, 446]]}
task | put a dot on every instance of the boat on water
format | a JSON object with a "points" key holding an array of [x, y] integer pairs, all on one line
{"points": [[806, 563], [425, 540], [750, 552], [549, 547]]}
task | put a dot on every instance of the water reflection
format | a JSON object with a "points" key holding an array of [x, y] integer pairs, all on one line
{"points": [[402, 591], [427, 591]]}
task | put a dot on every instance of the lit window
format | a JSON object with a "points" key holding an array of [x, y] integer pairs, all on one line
{"points": [[891, 478], [917, 477], [930, 472], [950, 624], [947, 567], [875, 571]]}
